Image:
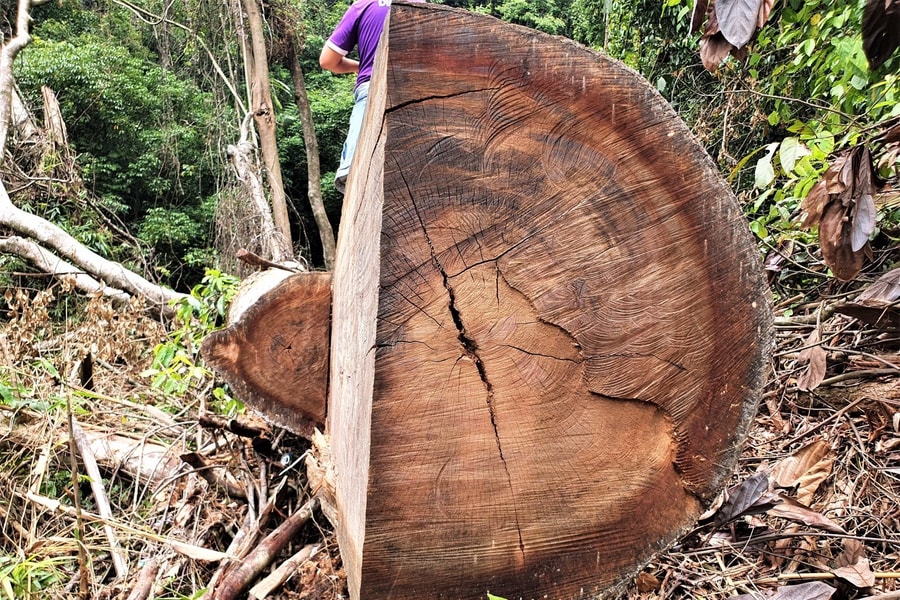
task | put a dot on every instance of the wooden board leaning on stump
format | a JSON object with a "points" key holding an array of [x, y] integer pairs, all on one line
{"points": [[549, 320]]}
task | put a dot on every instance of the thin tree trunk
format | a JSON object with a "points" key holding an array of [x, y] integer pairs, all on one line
{"points": [[242, 159], [264, 115], [7, 57], [326, 233], [21, 117]]}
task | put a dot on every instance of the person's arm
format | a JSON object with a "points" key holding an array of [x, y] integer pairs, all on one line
{"points": [[332, 60]]}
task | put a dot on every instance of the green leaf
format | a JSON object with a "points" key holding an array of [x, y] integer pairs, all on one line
{"points": [[765, 172], [791, 150], [759, 229], [493, 597]]}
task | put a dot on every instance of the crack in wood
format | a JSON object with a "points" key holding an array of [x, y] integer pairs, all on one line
{"points": [[403, 105], [470, 348]]}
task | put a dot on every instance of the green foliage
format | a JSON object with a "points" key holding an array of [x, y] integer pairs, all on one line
{"points": [[544, 15], [177, 368], [137, 128], [172, 227], [821, 99], [28, 578], [147, 137]]}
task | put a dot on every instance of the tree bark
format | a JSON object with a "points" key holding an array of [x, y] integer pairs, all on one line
{"points": [[21, 118], [48, 262], [314, 175], [243, 576], [264, 116], [549, 320], [242, 156]]}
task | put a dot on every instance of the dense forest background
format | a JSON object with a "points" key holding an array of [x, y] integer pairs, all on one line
{"points": [[155, 135], [152, 94]]}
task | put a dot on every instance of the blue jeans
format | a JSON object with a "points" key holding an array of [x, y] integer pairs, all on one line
{"points": [[360, 98]]}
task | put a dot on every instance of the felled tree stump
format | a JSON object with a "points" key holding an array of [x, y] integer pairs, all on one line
{"points": [[549, 320]]}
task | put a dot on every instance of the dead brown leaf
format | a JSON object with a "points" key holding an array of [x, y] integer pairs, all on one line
{"points": [[698, 14], [788, 471], [646, 582], [810, 481], [880, 30], [814, 357], [862, 216], [765, 9], [713, 50], [775, 257], [814, 204], [747, 497], [885, 289], [834, 239], [852, 565], [792, 510]]}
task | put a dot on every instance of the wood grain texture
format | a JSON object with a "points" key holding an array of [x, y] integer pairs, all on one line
{"points": [[275, 356], [564, 320]]}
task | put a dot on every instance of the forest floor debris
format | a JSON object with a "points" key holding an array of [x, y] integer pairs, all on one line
{"points": [[195, 496]]}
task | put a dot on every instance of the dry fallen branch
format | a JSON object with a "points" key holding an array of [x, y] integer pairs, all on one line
{"points": [[277, 577], [145, 580], [211, 475], [120, 562], [238, 580], [50, 263]]}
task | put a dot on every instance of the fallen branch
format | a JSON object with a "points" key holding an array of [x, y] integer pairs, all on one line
{"points": [[276, 578], [120, 562], [208, 472], [48, 262], [145, 580], [53, 236], [208, 421], [238, 580], [255, 260]]}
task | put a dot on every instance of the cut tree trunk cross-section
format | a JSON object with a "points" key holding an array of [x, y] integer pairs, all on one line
{"points": [[567, 315], [549, 321]]}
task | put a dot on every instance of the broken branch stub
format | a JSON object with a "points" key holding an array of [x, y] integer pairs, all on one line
{"points": [[549, 320]]}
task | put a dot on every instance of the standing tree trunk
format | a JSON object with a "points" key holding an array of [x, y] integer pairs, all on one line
{"points": [[314, 176], [7, 83], [264, 116]]}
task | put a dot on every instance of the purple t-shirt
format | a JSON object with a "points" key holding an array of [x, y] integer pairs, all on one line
{"points": [[361, 26]]}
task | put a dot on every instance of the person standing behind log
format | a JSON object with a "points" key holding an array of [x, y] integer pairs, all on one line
{"points": [[360, 26]]}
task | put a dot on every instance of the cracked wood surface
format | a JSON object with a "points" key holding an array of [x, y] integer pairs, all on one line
{"points": [[549, 320]]}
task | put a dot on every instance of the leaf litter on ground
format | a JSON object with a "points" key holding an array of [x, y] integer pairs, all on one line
{"points": [[814, 499]]}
